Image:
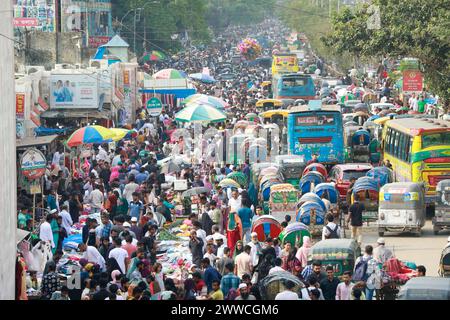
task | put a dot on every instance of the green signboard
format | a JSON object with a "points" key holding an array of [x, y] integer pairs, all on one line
{"points": [[154, 107]]}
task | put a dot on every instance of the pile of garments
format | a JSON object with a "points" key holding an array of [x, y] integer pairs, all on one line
{"points": [[398, 271]]}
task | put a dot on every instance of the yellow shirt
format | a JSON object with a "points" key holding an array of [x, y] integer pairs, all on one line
{"points": [[217, 295]]}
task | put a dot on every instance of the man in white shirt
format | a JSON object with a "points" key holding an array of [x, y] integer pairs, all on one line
{"points": [[91, 254], [66, 219], [130, 188], [243, 262], [120, 255], [45, 230], [256, 248], [235, 201], [331, 230], [288, 294], [96, 199], [413, 103], [278, 263], [381, 253], [102, 154], [56, 158]]}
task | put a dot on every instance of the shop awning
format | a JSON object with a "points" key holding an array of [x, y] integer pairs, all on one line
{"points": [[28, 142], [74, 114]]}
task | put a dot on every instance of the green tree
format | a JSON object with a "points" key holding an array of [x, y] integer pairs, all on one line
{"points": [[413, 28]]}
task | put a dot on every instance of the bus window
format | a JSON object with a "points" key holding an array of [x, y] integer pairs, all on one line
{"points": [[396, 144], [409, 149], [318, 120], [435, 139], [402, 153]]}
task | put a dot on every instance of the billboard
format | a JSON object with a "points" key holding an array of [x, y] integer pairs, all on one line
{"points": [[36, 14], [412, 81], [74, 91]]}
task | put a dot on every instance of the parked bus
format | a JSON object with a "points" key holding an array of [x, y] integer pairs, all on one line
{"points": [[316, 131], [419, 151], [283, 63], [293, 86]]}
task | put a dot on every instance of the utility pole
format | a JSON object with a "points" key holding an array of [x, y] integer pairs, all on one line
{"points": [[8, 200]]}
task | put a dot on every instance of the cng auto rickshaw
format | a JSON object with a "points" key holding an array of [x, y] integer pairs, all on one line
{"points": [[441, 220], [444, 264], [339, 253], [425, 288], [401, 208], [292, 167], [356, 141]]}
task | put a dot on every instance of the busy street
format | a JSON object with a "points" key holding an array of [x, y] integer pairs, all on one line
{"points": [[234, 161]]}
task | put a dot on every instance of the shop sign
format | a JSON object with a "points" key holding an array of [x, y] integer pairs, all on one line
{"points": [[412, 81], [154, 106], [20, 106], [33, 164]]}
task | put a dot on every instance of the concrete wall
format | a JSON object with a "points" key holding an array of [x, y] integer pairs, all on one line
{"points": [[8, 210]]}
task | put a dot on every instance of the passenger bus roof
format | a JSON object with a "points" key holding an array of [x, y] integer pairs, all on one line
{"points": [[305, 108], [415, 126]]}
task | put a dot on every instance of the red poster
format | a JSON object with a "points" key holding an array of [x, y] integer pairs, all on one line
{"points": [[20, 105], [95, 42], [412, 80], [26, 22]]}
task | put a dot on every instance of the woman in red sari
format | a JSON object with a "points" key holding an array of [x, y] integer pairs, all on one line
{"points": [[234, 230]]}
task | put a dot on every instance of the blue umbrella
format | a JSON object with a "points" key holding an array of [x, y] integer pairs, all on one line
{"points": [[202, 77]]}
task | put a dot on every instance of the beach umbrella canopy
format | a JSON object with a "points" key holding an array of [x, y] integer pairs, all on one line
{"points": [[239, 177], [200, 113], [169, 74], [153, 56], [119, 133], [90, 134], [202, 77], [229, 183], [205, 99]]}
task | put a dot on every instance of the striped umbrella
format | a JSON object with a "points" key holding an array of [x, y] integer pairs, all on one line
{"points": [[203, 98], [90, 134], [200, 113], [120, 133], [170, 74], [239, 177]]}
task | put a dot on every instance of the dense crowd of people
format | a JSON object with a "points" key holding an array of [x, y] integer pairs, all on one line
{"points": [[126, 189]]}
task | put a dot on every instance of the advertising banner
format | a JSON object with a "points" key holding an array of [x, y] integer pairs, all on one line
{"points": [[74, 91], [26, 22], [38, 14], [95, 42], [412, 81], [20, 106], [33, 164]]}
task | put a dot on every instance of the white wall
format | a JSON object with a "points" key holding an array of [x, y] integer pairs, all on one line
{"points": [[7, 156]]}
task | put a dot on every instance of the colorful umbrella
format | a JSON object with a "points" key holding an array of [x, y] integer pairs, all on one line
{"points": [[229, 183], [200, 113], [170, 74], [90, 134], [202, 77], [153, 56], [203, 98], [119, 133], [239, 177]]}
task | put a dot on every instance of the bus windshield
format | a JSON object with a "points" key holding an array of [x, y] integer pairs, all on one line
{"points": [[435, 139], [315, 120], [293, 82]]}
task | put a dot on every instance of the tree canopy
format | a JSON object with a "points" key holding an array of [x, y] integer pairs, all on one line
{"points": [[413, 28]]}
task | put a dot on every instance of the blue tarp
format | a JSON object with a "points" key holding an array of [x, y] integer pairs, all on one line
{"points": [[374, 117], [329, 188], [365, 183], [43, 131], [361, 134], [311, 177], [179, 93], [382, 175], [312, 197]]}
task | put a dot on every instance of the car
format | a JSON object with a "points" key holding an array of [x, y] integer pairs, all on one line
{"points": [[382, 106], [342, 173]]}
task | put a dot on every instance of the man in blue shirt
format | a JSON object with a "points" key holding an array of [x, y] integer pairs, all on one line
{"points": [[246, 215], [229, 280], [135, 207], [210, 274], [142, 176]]}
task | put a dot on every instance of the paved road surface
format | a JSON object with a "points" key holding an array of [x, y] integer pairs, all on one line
{"points": [[425, 250]]}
